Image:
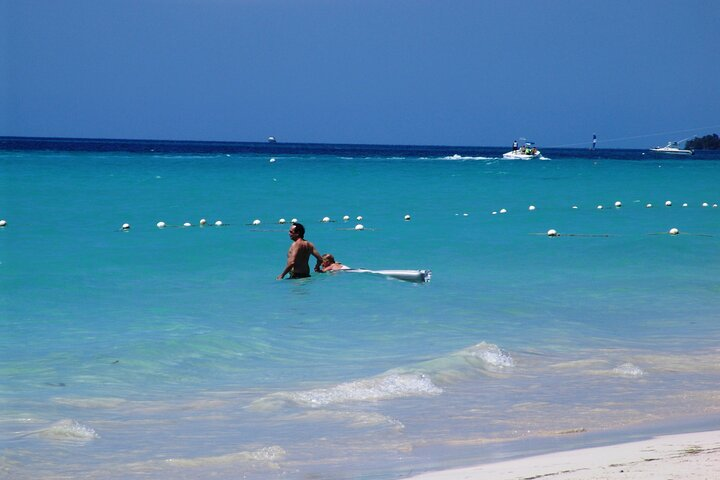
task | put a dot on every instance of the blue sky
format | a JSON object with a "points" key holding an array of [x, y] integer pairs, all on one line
{"points": [[452, 72]]}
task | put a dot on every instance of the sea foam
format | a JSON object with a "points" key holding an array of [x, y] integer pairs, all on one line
{"points": [[265, 456], [412, 381], [628, 370], [69, 430], [383, 387]]}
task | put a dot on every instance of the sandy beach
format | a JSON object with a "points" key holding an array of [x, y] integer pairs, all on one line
{"points": [[692, 455]]}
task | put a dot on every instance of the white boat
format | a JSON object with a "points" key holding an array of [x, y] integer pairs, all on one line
{"points": [[526, 152], [271, 139], [672, 149]]}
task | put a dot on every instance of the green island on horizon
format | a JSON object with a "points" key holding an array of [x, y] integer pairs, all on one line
{"points": [[708, 142]]}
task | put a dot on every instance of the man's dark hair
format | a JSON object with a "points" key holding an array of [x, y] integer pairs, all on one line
{"points": [[299, 229]]}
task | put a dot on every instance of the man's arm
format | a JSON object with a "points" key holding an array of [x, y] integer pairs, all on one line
{"points": [[292, 253], [316, 254]]}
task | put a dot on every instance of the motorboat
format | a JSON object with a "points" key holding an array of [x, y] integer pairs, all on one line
{"points": [[271, 139], [672, 149], [526, 152]]}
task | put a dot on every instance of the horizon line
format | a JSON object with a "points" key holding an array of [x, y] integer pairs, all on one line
{"points": [[14, 140]]}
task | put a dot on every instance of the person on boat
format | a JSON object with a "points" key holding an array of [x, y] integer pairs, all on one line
{"points": [[515, 147], [299, 254], [329, 264]]}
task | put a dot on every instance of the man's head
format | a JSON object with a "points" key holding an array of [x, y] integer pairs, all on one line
{"points": [[297, 231]]}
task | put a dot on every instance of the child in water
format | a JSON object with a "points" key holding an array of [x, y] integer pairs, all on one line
{"points": [[329, 264]]}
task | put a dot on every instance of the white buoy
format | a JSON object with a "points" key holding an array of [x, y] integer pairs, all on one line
{"points": [[203, 221], [704, 204], [346, 218], [359, 226], [494, 213], [668, 203], [359, 217], [282, 220], [531, 207], [574, 207], [552, 233], [218, 223], [502, 210], [685, 204], [674, 231], [618, 204], [256, 222], [187, 224], [125, 226], [294, 220], [599, 207], [465, 214], [649, 205], [272, 160], [715, 205], [161, 224], [407, 218], [326, 219]]}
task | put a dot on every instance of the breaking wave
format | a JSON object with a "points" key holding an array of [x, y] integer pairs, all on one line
{"points": [[64, 430], [383, 387], [267, 456], [413, 381]]}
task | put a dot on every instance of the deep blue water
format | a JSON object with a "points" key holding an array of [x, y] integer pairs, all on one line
{"points": [[174, 352]]}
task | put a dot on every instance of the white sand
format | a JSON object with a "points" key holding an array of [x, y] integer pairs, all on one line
{"points": [[693, 456]]}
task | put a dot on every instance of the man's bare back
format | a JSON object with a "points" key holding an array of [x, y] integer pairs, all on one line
{"points": [[299, 254]]}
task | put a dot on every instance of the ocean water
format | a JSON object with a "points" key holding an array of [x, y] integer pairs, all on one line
{"points": [[175, 353]]}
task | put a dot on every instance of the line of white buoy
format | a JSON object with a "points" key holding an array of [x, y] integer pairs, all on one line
{"points": [[617, 204], [554, 233], [218, 223]]}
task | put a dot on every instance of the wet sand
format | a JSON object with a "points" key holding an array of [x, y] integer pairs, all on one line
{"points": [[691, 455]]}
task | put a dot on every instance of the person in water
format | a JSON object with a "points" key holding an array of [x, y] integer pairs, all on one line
{"points": [[299, 254], [329, 264]]}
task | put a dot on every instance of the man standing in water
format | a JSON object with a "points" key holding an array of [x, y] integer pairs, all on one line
{"points": [[299, 254]]}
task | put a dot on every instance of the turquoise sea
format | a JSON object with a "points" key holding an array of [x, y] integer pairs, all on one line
{"points": [[174, 352]]}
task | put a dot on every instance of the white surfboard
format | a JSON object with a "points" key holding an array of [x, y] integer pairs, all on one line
{"points": [[418, 276]]}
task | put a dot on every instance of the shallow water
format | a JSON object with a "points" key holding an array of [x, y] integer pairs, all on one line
{"points": [[174, 352]]}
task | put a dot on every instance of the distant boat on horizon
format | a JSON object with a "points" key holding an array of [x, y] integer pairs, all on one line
{"points": [[672, 149], [271, 139], [526, 152]]}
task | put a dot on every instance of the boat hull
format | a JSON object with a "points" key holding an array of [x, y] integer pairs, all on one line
{"points": [[671, 151], [516, 155]]}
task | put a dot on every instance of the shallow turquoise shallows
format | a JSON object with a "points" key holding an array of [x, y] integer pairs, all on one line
{"points": [[175, 353]]}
